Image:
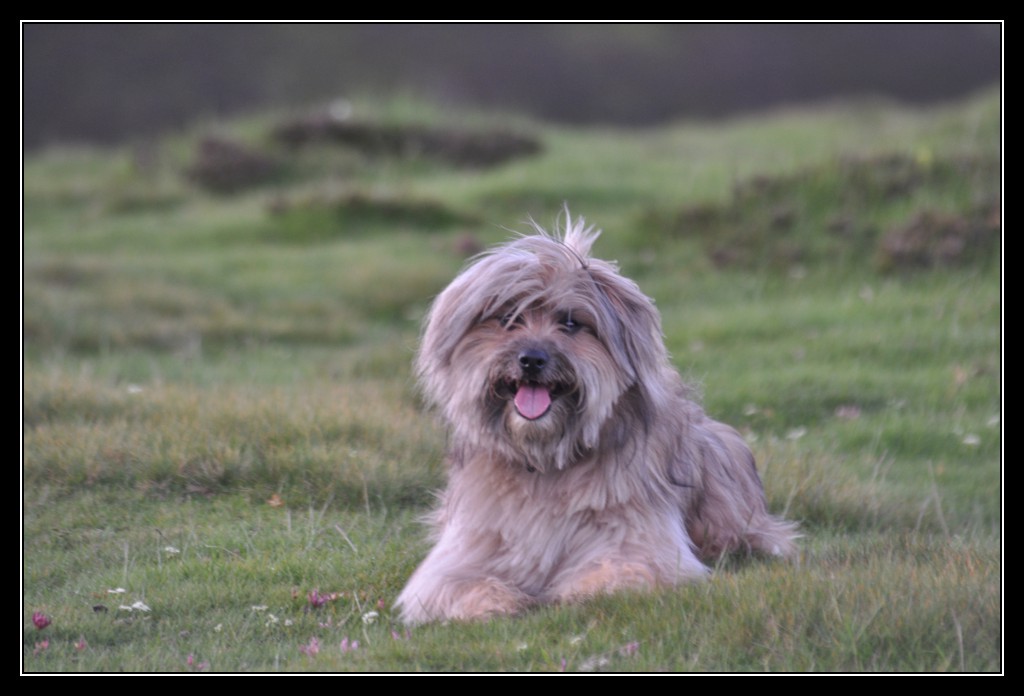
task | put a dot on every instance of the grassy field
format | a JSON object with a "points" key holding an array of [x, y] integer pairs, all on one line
{"points": [[225, 457]]}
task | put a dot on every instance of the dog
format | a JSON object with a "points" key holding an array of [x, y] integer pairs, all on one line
{"points": [[579, 463]]}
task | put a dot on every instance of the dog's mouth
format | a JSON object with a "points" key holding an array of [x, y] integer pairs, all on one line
{"points": [[532, 400]]}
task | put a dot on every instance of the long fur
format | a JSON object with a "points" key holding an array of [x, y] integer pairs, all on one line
{"points": [[579, 463]]}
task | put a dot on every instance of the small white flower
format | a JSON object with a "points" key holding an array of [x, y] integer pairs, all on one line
{"points": [[140, 606], [575, 640], [134, 389], [971, 440], [796, 433], [288, 622], [369, 617], [259, 607], [593, 663], [117, 590], [521, 647], [171, 550], [218, 628]]}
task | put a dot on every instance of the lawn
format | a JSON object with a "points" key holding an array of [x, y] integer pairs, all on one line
{"points": [[225, 456]]}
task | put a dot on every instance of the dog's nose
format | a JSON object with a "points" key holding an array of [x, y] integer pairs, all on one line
{"points": [[533, 360]]}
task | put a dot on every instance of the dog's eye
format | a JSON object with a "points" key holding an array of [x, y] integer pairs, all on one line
{"points": [[511, 320], [569, 324]]}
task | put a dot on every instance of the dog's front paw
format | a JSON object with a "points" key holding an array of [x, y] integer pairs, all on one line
{"points": [[487, 598], [604, 578], [463, 600]]}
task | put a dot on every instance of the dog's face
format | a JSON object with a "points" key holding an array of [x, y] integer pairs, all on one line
{"points": [[531, 350]]}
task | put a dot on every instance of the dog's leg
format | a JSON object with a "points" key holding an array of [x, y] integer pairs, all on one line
{"points": [[652, 551]]}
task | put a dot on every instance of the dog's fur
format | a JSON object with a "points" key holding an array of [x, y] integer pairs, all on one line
{"points": [[579, 464]]}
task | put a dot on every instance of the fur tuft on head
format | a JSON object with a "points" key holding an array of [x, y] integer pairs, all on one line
{"points": [[575, 235]]}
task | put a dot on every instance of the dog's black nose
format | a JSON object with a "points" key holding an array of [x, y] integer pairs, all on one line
{"points": [[533, 360]]}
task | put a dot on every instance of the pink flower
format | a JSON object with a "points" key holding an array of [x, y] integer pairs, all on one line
{"points": [[40, 619], [41, 646], [81, 645], [347, 647], [312, 648], [191, 662], [629, 648], [317, 600]]}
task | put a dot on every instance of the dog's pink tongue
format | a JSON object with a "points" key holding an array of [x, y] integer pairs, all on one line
{"points": [[532, 402]]}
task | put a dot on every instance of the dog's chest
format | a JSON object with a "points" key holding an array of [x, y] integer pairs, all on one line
{"points": [[534, 522]]}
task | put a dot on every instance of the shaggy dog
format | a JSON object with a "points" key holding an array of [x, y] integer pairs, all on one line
{"points": [[578, 462]]}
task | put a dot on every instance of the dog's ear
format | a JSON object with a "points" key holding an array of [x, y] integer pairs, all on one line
{"points": [[630, 325], [453, 313], [482, 290]]}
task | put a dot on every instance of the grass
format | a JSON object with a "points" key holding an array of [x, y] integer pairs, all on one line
{"points": [[219, 417]]}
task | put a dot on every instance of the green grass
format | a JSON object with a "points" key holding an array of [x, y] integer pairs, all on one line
{"points": [[219, 415]]}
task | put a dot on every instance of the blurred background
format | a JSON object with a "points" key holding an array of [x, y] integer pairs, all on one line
{"points": [[106, 83]]}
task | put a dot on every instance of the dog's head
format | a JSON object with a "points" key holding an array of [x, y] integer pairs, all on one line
{"points": [[535, 347]]}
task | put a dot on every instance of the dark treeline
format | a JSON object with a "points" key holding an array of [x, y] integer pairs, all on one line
{"points": [[104, 82]]}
